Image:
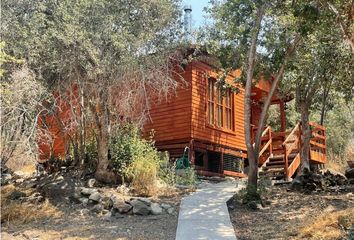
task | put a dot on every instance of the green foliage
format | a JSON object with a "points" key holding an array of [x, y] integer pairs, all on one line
{"points": [[186, 177], [126, 145], [340, 127], [98, 39], [229, 36], [167, 171], [143, 172]]}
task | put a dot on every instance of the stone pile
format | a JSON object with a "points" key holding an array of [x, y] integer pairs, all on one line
{"points": [[98, 202], [318, 181], [349, 173]]}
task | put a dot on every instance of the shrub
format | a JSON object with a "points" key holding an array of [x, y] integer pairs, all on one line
{"points": [[143, 172], [126, 145], [186, 177], [135, 159], [167, 171]]}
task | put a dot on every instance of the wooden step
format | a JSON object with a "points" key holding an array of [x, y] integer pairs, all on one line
{"points": [[278, 162], [281, 157], [277, 172]]}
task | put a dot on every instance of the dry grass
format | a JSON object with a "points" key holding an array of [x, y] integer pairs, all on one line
{"points": [[336, 162], [23, 212], [22, 161], [328, 225]]}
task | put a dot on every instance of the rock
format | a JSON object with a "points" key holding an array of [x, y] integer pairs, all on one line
{"points": [[144, 200], [35, 198], [328, 209], [91, 183], [140, 207], [5, 178], [297, 183], [98, 208], [156, 209], [17, 195], [165, 206], [20, 174], [254, 205], [84, 201], [349, 173], [170, 210], [84, 211], [96, 197], [123, 189], [59, 178], [330, 171], [121, 205], [88, 191], [19, 180], [107, 216], [107, 202]]}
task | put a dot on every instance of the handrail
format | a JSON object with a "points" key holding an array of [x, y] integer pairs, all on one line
{"points": [[288, 150], [263, 133], [291, 133], [316, 125], [269, 143]]}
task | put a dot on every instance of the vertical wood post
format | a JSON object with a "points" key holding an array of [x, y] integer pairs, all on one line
{"points": [[191, 155], [222, 163], [282, 117], [271, 142]]}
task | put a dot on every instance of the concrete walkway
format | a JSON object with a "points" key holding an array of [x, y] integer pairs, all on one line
{"points": [[204, 214]]}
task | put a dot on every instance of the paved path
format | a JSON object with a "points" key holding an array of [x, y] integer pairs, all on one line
{"points": [[204, 214]]}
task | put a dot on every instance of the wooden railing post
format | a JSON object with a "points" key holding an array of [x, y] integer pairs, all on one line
{"points": [[271, 142], [286, 163]]}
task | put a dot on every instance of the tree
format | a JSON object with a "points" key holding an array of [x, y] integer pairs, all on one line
{"points": [[310, 70], [343, 14], [259, 37], [107, 49]]}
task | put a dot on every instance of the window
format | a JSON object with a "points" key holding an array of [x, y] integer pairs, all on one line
{"points": [[228, 110], [219, 106], [211, 85]]}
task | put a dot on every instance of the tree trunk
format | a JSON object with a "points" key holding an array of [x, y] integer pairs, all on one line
{"points": [[305, 137], [252, 156], [103, 122]]}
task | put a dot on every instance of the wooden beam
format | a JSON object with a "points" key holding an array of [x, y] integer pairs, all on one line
{"points": [[234, 174], [319, 145]]}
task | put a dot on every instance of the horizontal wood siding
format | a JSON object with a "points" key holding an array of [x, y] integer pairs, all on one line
{"points": [[170, 118], [200, 130]]}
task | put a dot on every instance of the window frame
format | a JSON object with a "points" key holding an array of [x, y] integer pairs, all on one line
{"points": [[226, 109]]}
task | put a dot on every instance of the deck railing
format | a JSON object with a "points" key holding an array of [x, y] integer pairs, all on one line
{"points": [[288, 142]]}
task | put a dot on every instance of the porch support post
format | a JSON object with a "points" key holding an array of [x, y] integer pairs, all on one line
{"points": [[282, 116], [191, 154]]}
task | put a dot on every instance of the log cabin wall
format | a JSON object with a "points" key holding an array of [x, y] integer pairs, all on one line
{"points": [[204, 132], [170, 119]]}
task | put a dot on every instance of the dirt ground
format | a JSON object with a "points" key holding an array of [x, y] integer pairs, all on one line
{"points": [[74, 225], [294, 215], [59, 218]]}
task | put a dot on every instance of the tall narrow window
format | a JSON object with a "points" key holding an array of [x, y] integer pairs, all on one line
{"points": [[211, 106], [219, 108], [228, 110]]}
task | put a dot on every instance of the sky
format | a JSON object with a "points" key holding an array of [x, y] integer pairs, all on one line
{"points": [[197, 11]]}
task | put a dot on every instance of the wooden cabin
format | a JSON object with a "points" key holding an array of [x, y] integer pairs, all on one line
{"points": [[211, 124]]}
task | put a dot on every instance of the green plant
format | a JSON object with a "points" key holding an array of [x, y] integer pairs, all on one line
{"points": [[186, 177], [167, 171], [143, 172], [126, 145]]}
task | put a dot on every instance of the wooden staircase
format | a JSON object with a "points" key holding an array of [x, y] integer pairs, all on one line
{"points": [[279, 157]]}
